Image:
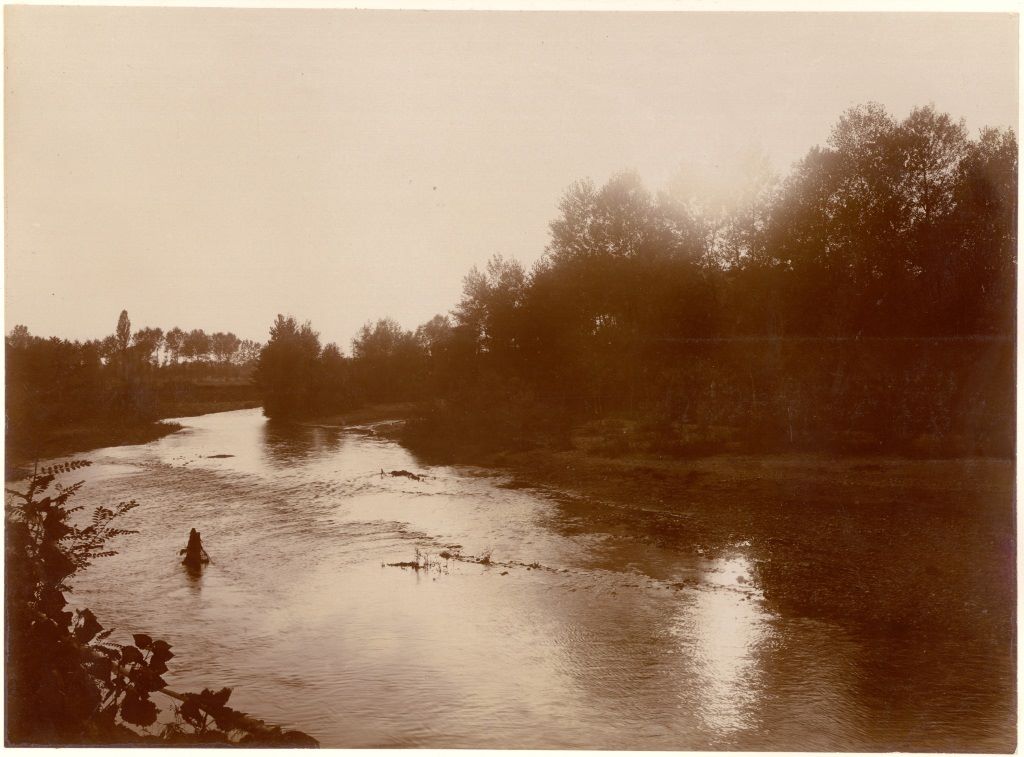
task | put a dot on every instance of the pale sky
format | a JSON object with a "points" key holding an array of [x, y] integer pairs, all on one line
{"points": [[210, 168]]}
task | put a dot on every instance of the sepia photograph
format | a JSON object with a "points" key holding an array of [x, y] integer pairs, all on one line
{"points": [[537, 378]]}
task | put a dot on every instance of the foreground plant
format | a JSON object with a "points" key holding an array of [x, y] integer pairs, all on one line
{"points": [[67, 682]]}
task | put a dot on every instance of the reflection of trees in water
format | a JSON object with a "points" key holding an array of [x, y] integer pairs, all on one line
{"points": [[285, 444], [961, 698], [832, 689]]}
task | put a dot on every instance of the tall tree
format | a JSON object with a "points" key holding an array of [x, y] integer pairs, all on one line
{"points": [[173, 341], [248, 352], [124, 332], [388, 362], [196, 345], [334, 390], [146, 343], [19, 337], [224, 346], [490, 305], [288, 368]]}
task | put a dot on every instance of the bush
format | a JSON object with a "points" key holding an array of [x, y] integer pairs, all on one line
{"points": [[68, 683]]}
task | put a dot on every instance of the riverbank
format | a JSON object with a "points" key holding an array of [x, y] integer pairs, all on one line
{"points": [[394, 411], [69, 440], [63, 442], [871, 542]]}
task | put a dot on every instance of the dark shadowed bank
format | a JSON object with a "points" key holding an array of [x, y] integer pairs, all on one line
{"points": [[65, 441]]}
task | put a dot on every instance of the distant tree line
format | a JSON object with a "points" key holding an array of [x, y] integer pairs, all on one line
{"points": [[864, 302], [125, 378]]}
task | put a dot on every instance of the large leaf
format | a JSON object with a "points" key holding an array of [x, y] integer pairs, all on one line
{"points": [[190, 711], [228, 719], [218, 698], [142, 641], [161, 653], [158, 667], [87, 626], [130, 654], [146, 680], [138, 710]]}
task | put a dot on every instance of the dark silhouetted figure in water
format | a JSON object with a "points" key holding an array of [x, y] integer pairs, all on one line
{"points": [[194, 553]]}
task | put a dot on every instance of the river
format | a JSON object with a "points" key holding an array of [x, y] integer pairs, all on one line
{"points": [[603, 643]]}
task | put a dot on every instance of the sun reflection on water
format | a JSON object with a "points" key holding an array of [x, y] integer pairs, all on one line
{"points": [[723, 629]]}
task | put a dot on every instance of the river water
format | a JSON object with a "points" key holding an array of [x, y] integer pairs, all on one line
{"points": [[604, 643]]}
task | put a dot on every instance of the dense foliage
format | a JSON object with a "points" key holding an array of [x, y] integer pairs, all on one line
{"points": [[865, 302], [68, 682], [125, 378], [297, 376]]}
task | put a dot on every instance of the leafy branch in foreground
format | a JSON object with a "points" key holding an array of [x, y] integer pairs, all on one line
{"points": [[67, 682]]}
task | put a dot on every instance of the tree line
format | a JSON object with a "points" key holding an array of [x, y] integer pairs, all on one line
{"points": [[125, 378], [154, 346], [866, 301]]}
